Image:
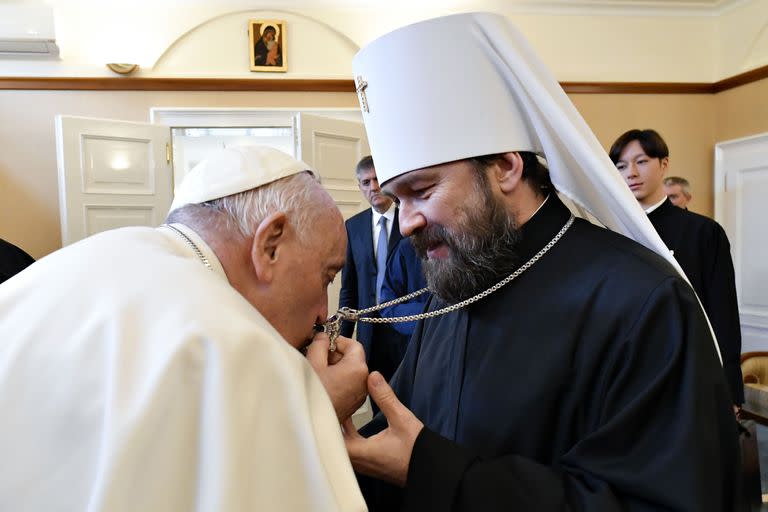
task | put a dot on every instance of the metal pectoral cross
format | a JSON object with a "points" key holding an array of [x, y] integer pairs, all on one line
{"points": [[332, 326], [360, 90]]}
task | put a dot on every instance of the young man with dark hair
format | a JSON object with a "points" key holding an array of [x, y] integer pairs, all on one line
{"points": [[698, 243]]}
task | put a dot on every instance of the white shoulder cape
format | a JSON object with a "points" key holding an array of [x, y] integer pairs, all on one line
{"points": [[134, 379]]}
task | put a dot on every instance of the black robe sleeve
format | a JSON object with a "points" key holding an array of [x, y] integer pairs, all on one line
{"points": [[653, 445], [12, 260], [720, 302]]}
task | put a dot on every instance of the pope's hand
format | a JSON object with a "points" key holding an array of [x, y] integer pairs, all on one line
{"points": [[387, 454], [342, 372]]}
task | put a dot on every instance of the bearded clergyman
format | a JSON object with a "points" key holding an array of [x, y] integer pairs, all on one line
{"points": [[565, 366]]}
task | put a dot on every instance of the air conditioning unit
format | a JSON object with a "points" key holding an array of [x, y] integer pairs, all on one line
{"points": [[27, 32]]}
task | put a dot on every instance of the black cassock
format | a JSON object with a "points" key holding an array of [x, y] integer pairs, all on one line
{"points": [[701, 247], [12, 260], [590, 382]]}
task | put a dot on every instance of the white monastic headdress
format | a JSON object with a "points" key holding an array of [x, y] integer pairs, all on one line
{"points": [[234, 170], [470, 85]]}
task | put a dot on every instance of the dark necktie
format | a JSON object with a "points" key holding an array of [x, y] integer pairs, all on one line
{"points": [[381, 255]]}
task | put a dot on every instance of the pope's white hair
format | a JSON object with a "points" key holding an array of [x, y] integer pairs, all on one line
{"points": [[298, 196]]}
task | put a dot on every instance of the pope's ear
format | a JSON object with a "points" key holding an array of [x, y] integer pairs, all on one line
{"points": [[268, 243], [509, 171]]}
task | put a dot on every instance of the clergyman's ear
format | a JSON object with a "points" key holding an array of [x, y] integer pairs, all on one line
{"points": [[267, 245], [509, 171]]}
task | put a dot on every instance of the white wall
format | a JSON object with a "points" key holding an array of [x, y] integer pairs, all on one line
{"points": [[196, 38], [742, 34], [313, 48]]}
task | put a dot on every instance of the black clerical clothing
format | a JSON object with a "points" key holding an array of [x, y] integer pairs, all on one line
{"points": [[701, 247], [590, 382], [12, 260]]}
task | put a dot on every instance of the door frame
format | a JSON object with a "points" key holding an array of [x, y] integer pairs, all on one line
{"points": [[241, 117], [720, 170], [754, 326], [214, 117]]}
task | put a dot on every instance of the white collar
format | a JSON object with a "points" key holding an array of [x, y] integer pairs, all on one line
{"points": [[216, 266], [539, 208], [651, 208], [389, 214]]}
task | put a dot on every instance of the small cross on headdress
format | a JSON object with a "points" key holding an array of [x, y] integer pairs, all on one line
{"points": [[360, 89]]}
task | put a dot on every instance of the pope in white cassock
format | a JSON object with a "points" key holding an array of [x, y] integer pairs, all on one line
{"points": [[157, 369]]}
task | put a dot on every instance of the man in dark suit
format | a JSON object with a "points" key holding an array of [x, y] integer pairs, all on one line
{"points": [[372, 234]]}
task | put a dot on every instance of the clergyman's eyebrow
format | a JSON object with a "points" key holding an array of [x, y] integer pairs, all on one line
{"points": [[390, 195], [407, 180]]}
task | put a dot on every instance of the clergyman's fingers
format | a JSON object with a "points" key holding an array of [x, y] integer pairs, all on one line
{"points": [[384, 396]]}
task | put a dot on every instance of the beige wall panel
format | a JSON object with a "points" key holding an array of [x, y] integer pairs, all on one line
{"points": [[29, 211], [742, 111], [685, 121], [29, 206]]}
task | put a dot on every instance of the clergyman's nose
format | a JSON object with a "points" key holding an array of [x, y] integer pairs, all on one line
{"points": [[410, 221]]}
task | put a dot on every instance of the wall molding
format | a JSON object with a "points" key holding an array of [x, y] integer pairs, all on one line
{"points": [[343, 85], [174, 84], [636, 88], [745, 78]]}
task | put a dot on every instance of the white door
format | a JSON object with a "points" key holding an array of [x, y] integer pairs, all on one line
{"points": [[111, 174], [333, 147], [741, 188]]}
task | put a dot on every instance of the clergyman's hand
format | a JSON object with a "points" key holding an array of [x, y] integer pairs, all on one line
{"points": [[387, 454], [342, 372]]}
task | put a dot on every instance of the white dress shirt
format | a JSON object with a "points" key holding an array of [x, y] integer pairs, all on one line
{"points": [[390, 215]]}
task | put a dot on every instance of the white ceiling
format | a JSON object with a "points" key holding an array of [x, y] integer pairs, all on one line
{"points": [[628, 7], [638, 7]]}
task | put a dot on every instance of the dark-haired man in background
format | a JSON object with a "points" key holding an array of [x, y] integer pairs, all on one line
{"points": [[698, 243]]}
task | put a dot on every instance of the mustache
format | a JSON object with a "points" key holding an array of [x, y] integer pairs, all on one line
{"points": [[482, 252], [430, 236]]}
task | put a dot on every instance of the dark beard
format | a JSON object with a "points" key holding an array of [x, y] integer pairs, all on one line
{"points": [[481, 250]]}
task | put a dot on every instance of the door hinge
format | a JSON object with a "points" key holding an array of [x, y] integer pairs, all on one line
{"points": [[167, 152]]}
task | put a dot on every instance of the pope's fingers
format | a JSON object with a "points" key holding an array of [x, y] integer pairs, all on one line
{"points": [[350, 431], [317, 351], [350, 347], [343, 344]]}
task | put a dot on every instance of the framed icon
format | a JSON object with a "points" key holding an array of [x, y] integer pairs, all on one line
{"points": [[268, 50]]}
